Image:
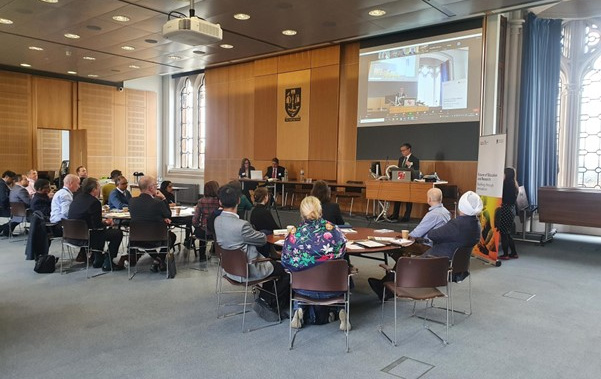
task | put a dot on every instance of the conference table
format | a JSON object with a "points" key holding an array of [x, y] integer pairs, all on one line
{"points": [[273, 184], [354, 235]]}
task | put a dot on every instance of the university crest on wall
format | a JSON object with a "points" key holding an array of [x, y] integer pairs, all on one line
{"points": [[292, 104]]}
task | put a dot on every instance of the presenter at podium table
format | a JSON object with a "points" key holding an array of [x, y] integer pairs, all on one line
{"points": [[275, 171], [407, 160]]}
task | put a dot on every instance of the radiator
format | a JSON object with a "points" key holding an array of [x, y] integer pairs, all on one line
{"points": [[188, 196]]}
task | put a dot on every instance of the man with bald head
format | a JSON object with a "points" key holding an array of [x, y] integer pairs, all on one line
{"points": [[59, 209], [151, 206]]}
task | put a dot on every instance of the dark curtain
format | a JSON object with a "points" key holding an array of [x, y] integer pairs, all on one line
{"points": [[541, 54]]}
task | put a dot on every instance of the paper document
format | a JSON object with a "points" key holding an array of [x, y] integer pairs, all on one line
{"points": [[383, 231], [346, 231], [279, 242], [353, 246], [280, 232], [402, 242], [369, 244]]}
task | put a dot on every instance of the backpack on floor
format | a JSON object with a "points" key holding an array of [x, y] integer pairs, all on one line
{"points": [[46, 264]]}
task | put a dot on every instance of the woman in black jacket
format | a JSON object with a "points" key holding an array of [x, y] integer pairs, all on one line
{"points": [[244, 173], [505, 215], [330, 211]]}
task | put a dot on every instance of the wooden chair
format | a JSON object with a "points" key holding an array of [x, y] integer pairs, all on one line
{"points": [[234, 262], [329, 276], [417, 279]]}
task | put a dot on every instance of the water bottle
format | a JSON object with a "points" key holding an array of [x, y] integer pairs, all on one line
{"points": [[302, 175], [285, 175]]}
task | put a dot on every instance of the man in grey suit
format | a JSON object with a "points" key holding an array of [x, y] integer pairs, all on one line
{"points": [[232, 233], [19, 194]]}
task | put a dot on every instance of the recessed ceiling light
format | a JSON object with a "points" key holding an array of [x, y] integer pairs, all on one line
{"points": [[174, 57], [72, 35], [241, 16], [72, 72], [6, 21], [199, 52], [25, 65], [36, 48], [87, 58], [92, 76], [128, 48], [150, 40], [121, 18], [49, 1], [289, 32], [377, 12], [133, 66], [226, 46]]}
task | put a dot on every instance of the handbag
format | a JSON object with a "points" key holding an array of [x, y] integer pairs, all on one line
{"points": [[171, 270], [46, 264]]}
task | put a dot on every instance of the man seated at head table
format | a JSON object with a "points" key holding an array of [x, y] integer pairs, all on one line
{"points": [[61, 202], [86, 206], [151, 206], [463, 231], [120, 196], [275, 171]]}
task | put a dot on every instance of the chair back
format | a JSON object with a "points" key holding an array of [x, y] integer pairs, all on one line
{"points": [[422, 272], [329, 276], [461, 259], [234, 262], [75, 229], [148, 231], [18, 209]]}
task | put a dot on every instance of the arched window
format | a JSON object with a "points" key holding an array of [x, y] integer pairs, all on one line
{"points": [[589, 147], [186, 132], [201, 124]]}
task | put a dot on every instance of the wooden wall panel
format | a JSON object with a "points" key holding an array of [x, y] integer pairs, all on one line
{"points": [[266, 66], [151, 134], [241, 134], [461, 173], [323, 124], [49, 150], [294, 62], [347, 125], [217, 102], [321, 170], [53, 101], [16, 129], [265, 117], [293, 136], [326, 56]]}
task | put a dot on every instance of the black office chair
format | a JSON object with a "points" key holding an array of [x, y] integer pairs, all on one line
{"points": [[146, 237]]}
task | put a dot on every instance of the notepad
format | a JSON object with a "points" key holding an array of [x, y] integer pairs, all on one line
{"points": [[369, 244]]}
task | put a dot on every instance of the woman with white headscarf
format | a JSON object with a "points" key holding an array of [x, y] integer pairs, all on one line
{"points": [[459, 232]]}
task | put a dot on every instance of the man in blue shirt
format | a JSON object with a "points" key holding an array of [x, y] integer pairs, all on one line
{"points": [[62, 199], [120, 196]]}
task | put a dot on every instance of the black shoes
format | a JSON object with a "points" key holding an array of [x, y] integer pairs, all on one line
{"points": [[154, 267], [377, 285]]}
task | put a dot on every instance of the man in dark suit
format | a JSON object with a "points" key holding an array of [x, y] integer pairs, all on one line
{"points": [[120, 196], [86, 206], [407, 160], [5, 183], [275, 171], [151, 206]]}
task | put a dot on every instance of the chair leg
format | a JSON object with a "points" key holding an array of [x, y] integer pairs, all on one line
{"points": [[351, 210]]}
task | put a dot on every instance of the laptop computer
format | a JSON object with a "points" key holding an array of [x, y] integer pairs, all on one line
{"points": [[401, 175], [256, 174]]}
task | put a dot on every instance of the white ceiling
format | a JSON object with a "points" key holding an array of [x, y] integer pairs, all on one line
{"points": [[41, 24]]}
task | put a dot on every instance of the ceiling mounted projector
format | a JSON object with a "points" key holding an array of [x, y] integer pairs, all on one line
{"points": [[192, 31]]}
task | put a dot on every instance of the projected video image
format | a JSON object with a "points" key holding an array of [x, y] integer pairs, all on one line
{"points": [[427, 82]]}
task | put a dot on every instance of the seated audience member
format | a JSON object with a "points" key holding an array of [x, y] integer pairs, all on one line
{"points": [[245, 204], [19, 194], [233, 233], [109, 187], [82, 174], [61, 202], [32, 176], [261, 217], [86, 206], [40, 200], [315, 241], [330, 211], [167, 191], [120, 196], [275, 171], [204, 208], [462, 231], [8, 178], [244, 173], [151, 206]]}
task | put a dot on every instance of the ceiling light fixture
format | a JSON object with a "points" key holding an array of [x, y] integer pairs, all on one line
{"points": [[92, 76], [133, 66], [377, 12], [25, 65], [72, 72], [36, 48], [71, 35], [241, 16], [128, 48], [49, 1], [87, 58], [6, 21], [121, 18], [174, 57], [226, 46], [150, 40], [199, 52], [289, 32]]}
